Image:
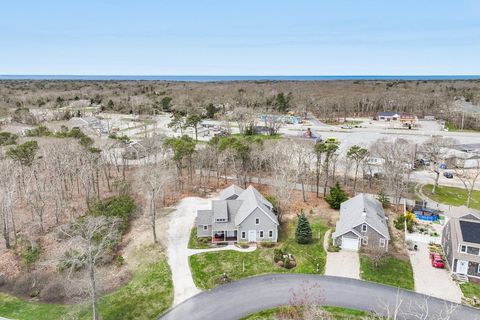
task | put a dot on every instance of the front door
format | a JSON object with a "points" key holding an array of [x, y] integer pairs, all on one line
{"points": [[252, 236], [462, 266]]}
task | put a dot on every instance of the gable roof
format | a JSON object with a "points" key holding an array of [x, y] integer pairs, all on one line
{"points": [[363, 208], [232, 192], [252, 199]]}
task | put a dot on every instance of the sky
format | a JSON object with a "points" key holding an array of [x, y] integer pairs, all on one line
{"points": [[240, 37]]}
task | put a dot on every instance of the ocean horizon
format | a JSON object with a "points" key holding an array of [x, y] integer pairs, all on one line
{"points": [[220, 78]]}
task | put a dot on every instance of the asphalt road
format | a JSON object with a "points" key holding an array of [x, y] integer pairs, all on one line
{"points": [[244, 297]]}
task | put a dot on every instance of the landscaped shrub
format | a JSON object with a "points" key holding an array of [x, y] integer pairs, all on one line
{"points": [[303, 234], [399, 222], [277, 255], [267, 244], [244, 245], [336, 197]]}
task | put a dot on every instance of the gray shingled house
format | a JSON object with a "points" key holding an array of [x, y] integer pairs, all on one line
{"points": [[461, 243], [362, 223], [238, 216]]}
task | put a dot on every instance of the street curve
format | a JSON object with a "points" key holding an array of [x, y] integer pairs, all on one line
{"points": [[247, 296]]}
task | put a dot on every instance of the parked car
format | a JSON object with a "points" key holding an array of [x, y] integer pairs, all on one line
{"points": [[346, 127], [425, 162], [448, 175], [331, 140], [437, 261]]}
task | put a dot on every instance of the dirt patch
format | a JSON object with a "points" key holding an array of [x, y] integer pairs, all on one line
{"points": [[397, 237]]}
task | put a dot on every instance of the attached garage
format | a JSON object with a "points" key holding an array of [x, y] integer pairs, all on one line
{"points": [[351, 244]]}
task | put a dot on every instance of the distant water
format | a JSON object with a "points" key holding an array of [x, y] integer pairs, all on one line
{"points": [[233, 78]]}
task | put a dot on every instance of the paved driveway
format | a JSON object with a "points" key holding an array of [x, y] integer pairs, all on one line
{"points": [[241, 298], [430, 280], [180, 225], [341, 264]]}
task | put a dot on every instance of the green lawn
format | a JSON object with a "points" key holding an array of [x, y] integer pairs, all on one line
{"points": [[335, 312], [452, 196], [207, 268], [146, 296], [198, 243], [391, 271], [470, 290]]}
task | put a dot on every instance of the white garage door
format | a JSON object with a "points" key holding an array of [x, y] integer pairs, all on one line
{"points": [[350, 244]]}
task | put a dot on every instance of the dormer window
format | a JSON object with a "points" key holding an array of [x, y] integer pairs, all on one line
{"points": [[257, 220], [364, 227]]}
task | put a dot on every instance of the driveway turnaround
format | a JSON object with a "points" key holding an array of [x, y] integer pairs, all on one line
{"points": [[238, 299], [180, 226], [341, 264], [432, 281]]}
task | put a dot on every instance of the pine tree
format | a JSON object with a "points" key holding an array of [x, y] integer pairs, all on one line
{"points": [[336, 197], [303, 234]]}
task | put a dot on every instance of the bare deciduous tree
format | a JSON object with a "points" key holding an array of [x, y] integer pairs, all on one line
{"points": [[91, 238]]}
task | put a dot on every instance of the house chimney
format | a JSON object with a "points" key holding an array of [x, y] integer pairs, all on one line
{"points": [[364, 213]]}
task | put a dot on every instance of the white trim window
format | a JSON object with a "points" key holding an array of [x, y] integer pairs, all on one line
{"points": [[244, 235], [257, 221], [364, 227], [270, 233], [261, 234], [463, 248], [478, 268], [382, 242], [365, 241], [205, 228]]}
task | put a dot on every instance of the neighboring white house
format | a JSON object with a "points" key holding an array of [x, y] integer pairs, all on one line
{"points": [[388, 116]]}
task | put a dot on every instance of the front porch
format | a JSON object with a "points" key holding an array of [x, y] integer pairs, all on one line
{"points": [[224, 236]]}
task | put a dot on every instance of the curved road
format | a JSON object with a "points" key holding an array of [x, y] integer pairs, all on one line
{"points": [[247, 296]]}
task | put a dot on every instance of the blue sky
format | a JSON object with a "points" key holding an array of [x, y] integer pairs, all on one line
{"points": [[247, 37]]}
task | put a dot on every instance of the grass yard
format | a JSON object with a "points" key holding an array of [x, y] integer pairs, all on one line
{"points": [[391, 271], [335, 312], [146, 296], [198, 243], [470, 290], [207, 268], [452, 196]]}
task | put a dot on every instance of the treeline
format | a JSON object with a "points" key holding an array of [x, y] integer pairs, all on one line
{"points": [[325, 99]]}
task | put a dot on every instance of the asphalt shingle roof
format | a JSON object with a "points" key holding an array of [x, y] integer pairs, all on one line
{"points": [[360, 209]]}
